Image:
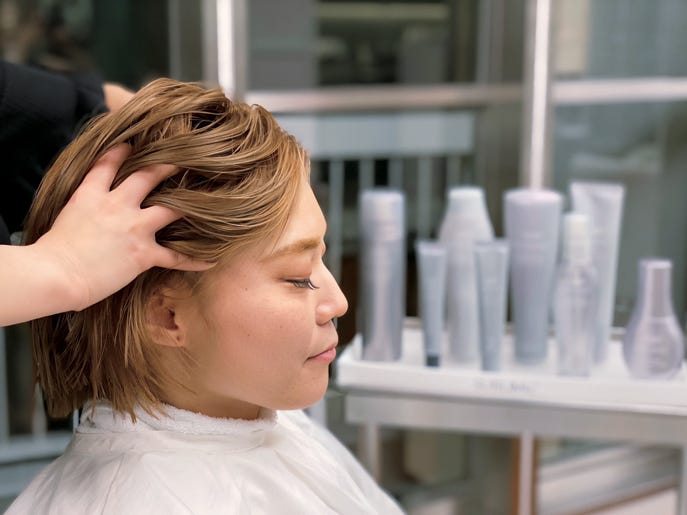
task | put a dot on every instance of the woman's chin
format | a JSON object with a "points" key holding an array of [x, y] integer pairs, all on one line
{"points": [[314, 395]]}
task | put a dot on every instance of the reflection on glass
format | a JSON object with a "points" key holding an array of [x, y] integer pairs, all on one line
{"points": [[127, 41], [343, 42], [642, 147], [602, 39], [375, 42]]}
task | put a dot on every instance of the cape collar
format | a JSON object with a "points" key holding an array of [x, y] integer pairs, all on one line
{"points": [[101, 417]]}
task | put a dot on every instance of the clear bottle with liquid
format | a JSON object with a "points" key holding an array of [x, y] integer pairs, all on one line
{"points": [[576, 299], [654, 344]]}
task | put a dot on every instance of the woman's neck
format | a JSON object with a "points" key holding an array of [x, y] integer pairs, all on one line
{"points": [[213, 407]]}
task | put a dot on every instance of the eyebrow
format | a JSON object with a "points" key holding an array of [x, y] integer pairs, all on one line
{"points": [[297, 247]]}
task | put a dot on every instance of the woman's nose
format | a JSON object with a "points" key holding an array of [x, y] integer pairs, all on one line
{"points": [[333, 303]]}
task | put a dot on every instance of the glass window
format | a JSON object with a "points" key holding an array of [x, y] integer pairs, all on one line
{"points": [[600, 39], [128, 42], [305, 43], [642, 147]]}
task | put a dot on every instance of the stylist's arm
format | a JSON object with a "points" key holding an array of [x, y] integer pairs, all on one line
{"points": [[98, 244]]}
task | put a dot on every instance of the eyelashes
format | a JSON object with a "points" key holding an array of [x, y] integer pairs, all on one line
{"points": [[303, 283]]}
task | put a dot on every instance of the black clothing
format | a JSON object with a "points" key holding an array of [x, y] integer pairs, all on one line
{"points": [[4, 233], [40, 113]]}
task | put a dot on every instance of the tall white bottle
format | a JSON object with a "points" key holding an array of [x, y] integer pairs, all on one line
{"points": [[532, 224], [466, 221], [576, 297], [654, 344]]}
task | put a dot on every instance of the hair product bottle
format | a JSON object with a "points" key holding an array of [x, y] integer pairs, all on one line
{"points": [[431, 271], [491, 258], [466, 220], [382, 272], [654, 344], [603, 204], [576, 299], [532, 224]]}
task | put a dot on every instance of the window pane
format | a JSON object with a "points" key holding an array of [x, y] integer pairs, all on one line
{"points": [[128, 41], [619, 38], [642, 147], [307, 43]]}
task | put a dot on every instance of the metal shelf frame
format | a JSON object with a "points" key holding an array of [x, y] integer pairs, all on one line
{"points": [[374, 399]]}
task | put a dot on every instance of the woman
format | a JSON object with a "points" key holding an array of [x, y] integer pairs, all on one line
{"points": [[187, 376]]}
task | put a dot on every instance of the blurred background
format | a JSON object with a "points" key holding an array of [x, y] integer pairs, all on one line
{"points": [[420, 95]]}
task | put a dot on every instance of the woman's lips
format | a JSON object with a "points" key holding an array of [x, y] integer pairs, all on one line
{"points": [[326, 356]]}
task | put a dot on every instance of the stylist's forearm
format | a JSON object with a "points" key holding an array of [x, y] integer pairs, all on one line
{"points": [[33, 286]]}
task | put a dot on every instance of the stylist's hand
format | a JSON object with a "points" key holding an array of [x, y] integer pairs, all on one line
{"points": [[116, 96], [103, 239]]}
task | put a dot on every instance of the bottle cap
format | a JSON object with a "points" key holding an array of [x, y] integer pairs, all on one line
{"points": [[528, 196], [430, 248], [498, 246], [382, 214], [465, 199], [655, 286]]}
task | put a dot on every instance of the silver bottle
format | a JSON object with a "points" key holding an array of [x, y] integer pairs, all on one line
{"points": [[576, 299], [654, 344], [382, 273], [466, 221]]}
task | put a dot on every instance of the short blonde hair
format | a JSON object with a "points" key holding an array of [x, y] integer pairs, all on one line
{"points": [[237, 181]]}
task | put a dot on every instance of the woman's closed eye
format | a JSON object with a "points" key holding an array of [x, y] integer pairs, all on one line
{"points": [[302, 283]]}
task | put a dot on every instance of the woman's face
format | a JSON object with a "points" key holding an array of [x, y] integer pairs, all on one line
{"points": [[262, 332]]}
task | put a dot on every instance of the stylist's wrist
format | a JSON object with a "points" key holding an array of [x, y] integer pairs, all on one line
{"points": [[60, 269]]}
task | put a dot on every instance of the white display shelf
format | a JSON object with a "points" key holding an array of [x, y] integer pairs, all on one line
{"points": [[609, 387]]}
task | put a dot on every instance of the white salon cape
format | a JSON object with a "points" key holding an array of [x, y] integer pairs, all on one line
{"points": [[187, 463]]}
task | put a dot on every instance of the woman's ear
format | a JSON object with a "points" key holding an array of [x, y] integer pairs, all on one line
{"points": [[167, 313]]}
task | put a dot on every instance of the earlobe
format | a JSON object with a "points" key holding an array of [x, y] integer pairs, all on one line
{"points": [[164, 321]]}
